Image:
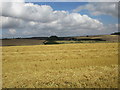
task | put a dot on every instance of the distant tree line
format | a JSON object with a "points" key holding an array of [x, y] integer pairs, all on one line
{"points": [[116, 33]]}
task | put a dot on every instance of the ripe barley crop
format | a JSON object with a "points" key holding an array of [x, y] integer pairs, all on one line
{"points": [[92, 65]]}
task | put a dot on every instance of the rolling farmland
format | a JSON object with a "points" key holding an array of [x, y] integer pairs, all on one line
{"points": [[60, 40], [81, 65]]}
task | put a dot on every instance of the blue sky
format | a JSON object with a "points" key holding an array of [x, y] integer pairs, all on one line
{"points": [[68, 6]]}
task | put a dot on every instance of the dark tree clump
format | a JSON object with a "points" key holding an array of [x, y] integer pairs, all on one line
{"points": [[52, 38]]}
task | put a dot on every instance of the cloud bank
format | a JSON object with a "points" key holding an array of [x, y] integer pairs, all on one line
{"points": [[28, 19], [101, 8]]}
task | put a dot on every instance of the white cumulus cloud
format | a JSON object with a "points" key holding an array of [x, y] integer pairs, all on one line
{"points": [[100, 8], [12, 31], [42, 20]]}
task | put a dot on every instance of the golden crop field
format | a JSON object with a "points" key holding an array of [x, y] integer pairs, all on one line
{"points": [[86, 65]]}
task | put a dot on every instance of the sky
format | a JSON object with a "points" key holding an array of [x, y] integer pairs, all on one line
{"points": [[44, 19]]}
